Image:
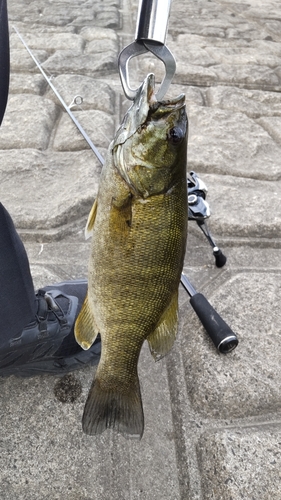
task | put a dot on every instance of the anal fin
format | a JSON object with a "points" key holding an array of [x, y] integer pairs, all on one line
{"points": [[161, 340], [85, 329]]}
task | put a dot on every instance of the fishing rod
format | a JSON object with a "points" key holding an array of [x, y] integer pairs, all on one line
{"points": [[221, 334], [67, 108]]}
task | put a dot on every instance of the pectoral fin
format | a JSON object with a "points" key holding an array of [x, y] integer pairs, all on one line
{"points": [[162, 339], [91, 220], [85, 329]]}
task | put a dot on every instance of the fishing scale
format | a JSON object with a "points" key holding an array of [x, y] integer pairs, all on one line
{"points": [[150, 36]]}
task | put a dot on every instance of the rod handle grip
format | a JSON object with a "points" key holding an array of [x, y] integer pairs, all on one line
{"points": [[221, 334]]}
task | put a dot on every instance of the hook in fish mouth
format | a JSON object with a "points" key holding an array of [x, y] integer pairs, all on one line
{"points": [[145, 104], [147, 92], [141, 47]]}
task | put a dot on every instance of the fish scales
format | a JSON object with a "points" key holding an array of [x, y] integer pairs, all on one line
{"points": [[139, 226]]}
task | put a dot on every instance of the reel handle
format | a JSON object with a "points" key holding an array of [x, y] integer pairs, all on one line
{"points": [[221, 334]]}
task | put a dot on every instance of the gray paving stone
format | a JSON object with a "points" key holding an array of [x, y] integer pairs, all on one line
{"points": [[244, 56], [253, 77], [108, 18], [65, 13], [190, 39], [21, 60], [272, 126], [245, 382], [34, 459], [239, 464], [98, 34], [188, 53], [208, 59], [99, 126], [28, 122], [88, 64], [38, 27], [267, 46], [244, 208], [227, 142], [254, 103], [43, 192], [273, 27], [48, 41], [24, 83], [255, 10], [96, 94], [99, 46]]}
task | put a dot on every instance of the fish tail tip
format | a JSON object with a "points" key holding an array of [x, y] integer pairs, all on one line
{"points": [[121, 411]]}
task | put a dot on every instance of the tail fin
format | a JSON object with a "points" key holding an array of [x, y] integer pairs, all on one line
{"points": [[112, 408]]}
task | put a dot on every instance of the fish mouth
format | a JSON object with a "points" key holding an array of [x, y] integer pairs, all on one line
{"points": [[144, 106], [146, 94]]}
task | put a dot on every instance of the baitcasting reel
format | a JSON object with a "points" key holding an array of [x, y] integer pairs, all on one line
{"points": [[199, 211], [221, 334]]}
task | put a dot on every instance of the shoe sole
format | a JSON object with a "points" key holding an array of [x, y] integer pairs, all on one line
{"points": [[59, 366]]}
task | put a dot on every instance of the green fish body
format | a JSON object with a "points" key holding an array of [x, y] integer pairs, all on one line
{"points": [[139, 229]]}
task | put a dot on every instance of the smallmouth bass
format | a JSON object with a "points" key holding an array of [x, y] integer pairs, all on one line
{"points": [[139, 229]]}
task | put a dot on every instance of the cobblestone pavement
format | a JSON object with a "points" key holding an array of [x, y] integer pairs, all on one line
{"points": [[213, 425]]}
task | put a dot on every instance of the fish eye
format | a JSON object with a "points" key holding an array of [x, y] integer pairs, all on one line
{"points": [[175, 135]]}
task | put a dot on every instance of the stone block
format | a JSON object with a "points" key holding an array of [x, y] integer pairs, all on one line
{"points": [[254, 103], [245, 382], [98, 125], [21, 60], [48, 193], [250, 76], [188, 74], [100, 46], [44, 449], [272, 125], [188, 54], [96, 94], [108, 18], [241, 463], [97, 33], [24, 83], [49, 41], [244, 207], [230, 143], [28, 122], [249, 55], [193, 95], [85, 64]]}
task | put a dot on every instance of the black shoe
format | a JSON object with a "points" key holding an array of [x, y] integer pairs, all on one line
{"points": [[47, 345]]}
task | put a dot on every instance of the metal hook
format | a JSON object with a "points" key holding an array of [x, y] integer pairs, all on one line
{"points": [[141, 47]]}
